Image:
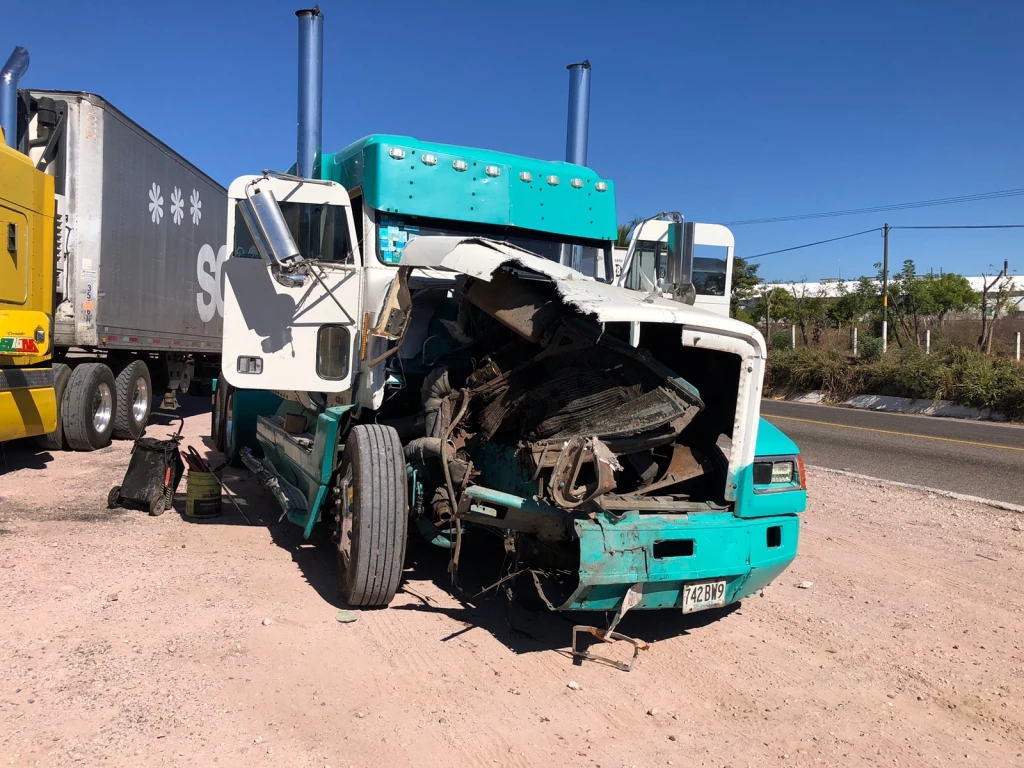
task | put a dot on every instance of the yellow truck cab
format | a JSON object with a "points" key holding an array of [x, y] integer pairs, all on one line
{"points": [[28, 404]]}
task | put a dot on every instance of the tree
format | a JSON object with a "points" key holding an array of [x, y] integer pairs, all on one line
{"points": [[850, 307], [622, 235], [951, 293], [912, 299], [774, 303], [808, 309], [997, 301], [744, 284]]}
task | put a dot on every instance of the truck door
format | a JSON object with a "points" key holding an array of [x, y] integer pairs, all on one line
{"points": [[300, 337]]}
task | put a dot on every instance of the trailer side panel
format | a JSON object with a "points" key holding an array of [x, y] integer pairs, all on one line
{"points": [[146, 262]]}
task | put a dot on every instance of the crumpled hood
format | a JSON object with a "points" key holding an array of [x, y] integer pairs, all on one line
{"points": [[480, 258]]}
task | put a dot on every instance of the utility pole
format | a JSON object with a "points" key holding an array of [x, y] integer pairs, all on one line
{"points": [[885, 288]]}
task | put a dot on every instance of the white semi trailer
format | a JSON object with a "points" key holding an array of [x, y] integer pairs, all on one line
{"points": [[139, 241]]}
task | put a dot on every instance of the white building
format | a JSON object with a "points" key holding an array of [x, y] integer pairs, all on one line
{"points": [[832, 288]]}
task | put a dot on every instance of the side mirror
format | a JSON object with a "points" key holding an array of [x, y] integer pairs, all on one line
{"points": [[269, 230], [679, 272]]}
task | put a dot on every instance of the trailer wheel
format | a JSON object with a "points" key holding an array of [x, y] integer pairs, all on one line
{"points": [[54, 441], [373, 515], [134, 400], [89, 405]]}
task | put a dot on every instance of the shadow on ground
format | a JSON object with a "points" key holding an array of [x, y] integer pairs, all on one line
{"points": [[188, 405], [523, 624], [22, 454]]}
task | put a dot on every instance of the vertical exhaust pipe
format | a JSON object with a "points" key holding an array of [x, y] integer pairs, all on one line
{"points": [[577, 128], [578, 125], [10, 75], [311, 90]]}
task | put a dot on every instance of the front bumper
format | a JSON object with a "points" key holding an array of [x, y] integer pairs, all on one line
{"points": [[28, 404], [747, 554]]}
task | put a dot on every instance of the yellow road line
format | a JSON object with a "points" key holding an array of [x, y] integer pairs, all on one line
{"points": [[894, 432]]}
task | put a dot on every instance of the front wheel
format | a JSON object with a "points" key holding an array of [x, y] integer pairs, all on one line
{"points": [[373, 515], [54, 441]]}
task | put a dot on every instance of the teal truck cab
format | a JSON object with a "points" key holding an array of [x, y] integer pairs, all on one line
{"points": [[407, 351]]}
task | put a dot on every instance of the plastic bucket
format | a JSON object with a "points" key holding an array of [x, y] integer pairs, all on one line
{"points": [[202, 495]]}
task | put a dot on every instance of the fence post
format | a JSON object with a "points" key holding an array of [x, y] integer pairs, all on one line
{"points": [[928, 341], [792, 334], [853, 340], [1016, 346]]}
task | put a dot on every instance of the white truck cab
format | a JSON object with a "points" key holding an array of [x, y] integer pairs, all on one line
{"points": [[712, 269]]}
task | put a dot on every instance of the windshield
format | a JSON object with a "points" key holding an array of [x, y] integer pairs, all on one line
{"points": [[320, 235], [649, 259], [395, 232]]}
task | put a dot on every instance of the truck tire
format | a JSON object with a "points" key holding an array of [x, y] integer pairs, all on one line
{"points": [[54, 441], [89, 405], [217, 414], [372, 501], [134, 389], [222, 422]]}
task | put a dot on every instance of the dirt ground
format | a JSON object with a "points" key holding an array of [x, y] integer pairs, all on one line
{"points": [[127, 640]]}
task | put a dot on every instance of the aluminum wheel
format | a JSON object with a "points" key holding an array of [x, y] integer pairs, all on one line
{"points": [[102, 407], [140, 399]]}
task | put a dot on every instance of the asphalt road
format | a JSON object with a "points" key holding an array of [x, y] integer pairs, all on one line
{"points": [[974, 457]]}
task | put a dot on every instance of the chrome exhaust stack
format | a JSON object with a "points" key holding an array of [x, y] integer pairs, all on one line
{"points": [[10, 75], [311, 90]]}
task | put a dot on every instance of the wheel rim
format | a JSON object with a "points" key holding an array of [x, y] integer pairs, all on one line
{"points": [[229, 423], [140, 399], [102, 407]]}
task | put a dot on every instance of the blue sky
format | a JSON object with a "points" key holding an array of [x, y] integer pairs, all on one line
{"points": [[722, 110]]}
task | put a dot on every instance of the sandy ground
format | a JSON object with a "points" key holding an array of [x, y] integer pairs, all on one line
{"points": [[128, 640]]}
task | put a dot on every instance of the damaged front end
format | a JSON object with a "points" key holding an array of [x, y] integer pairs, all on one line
{"points": [[597, 447]]}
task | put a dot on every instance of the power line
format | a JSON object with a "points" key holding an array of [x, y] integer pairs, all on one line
{"points": [[879, 229], [809, 245], [883, 208], [965, 226]]}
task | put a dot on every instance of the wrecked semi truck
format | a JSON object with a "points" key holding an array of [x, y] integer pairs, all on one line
{"points": [[404, 351]]}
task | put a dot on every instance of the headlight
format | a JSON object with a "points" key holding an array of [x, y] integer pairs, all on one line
{"points": [[779, 472], [782, 472]]}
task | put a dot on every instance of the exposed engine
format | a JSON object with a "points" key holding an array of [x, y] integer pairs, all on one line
{"points": [[521, 392]]}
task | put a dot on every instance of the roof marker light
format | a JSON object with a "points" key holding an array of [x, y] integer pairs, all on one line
{"points": [[492, 170], [460, 165], [577, 183], [397, 153], [601, 186], [526, 176], [428, 159], [552, 180]]}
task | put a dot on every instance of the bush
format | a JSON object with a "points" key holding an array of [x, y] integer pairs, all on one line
{"points": [[960, 374], [802, 370], [781, 341], [870, 349]]}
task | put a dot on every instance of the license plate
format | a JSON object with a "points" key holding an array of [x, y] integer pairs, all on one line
{"points": [[701, 595]]}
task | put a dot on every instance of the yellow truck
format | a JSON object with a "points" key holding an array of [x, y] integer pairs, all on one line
{"points": [[28, 403]]}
